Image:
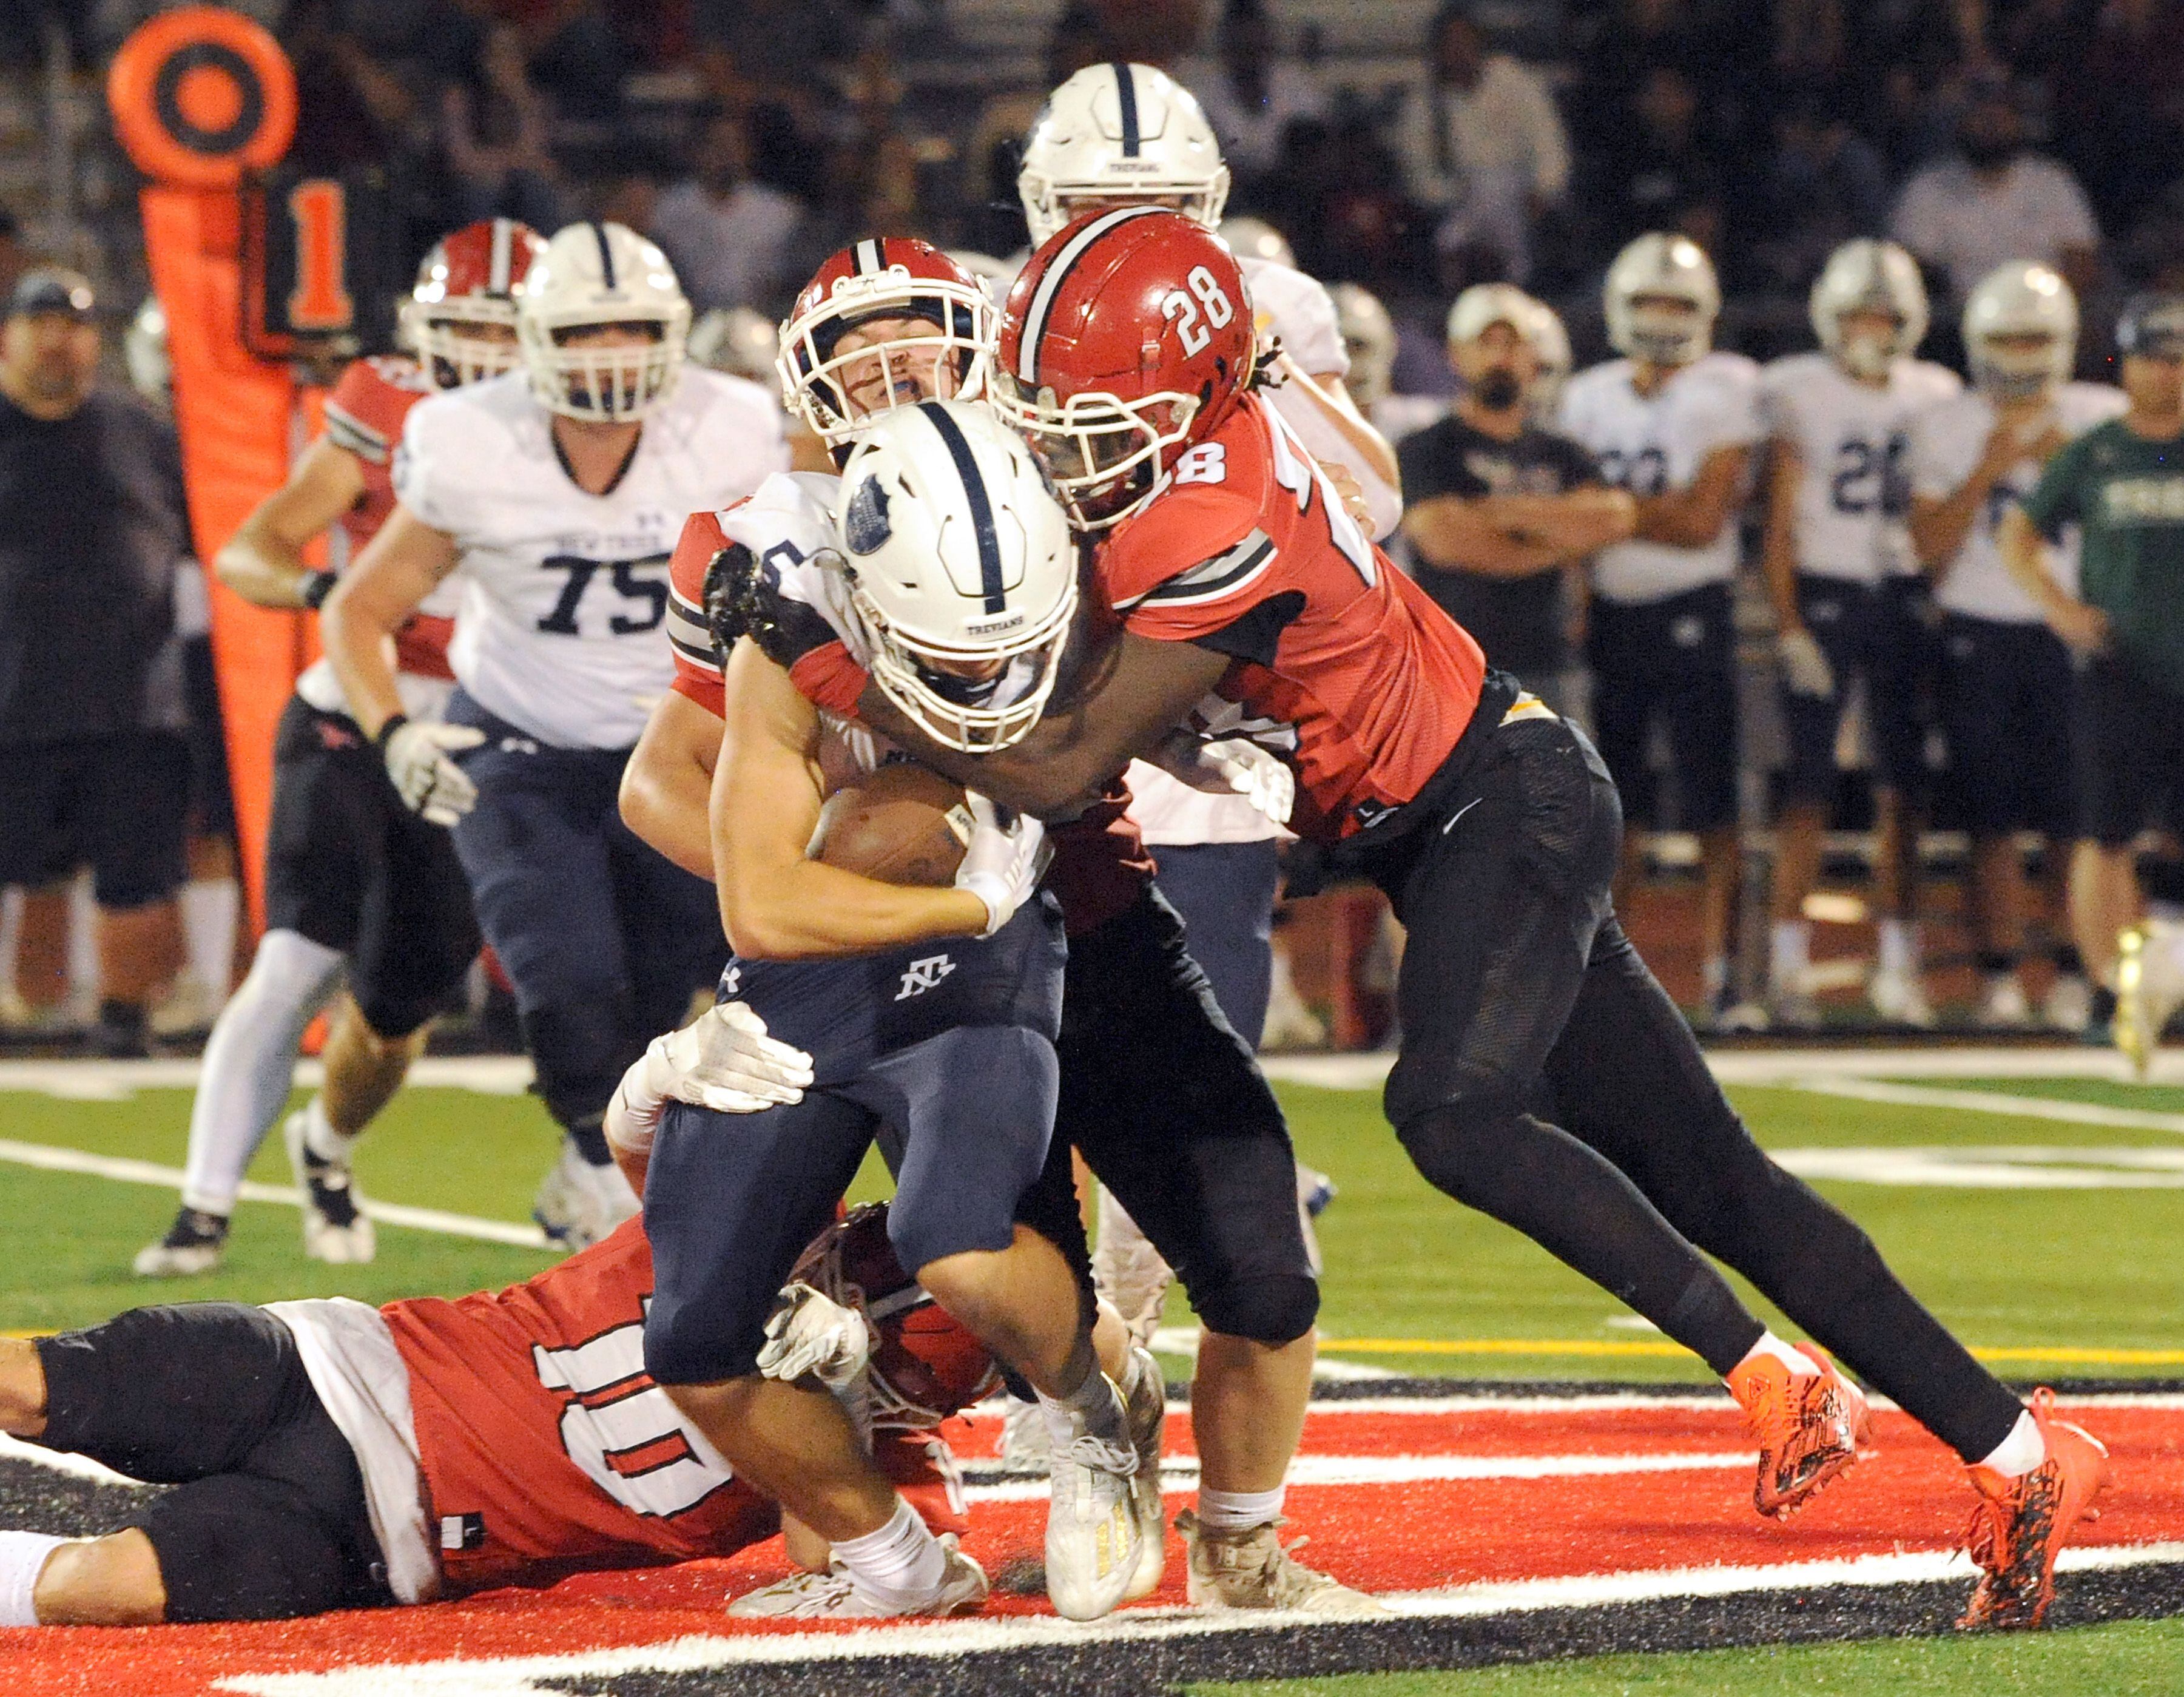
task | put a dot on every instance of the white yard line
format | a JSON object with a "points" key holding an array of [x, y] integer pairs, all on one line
{"points": [[1307, 1470], [53, 1159], [2002, 1167], [120, 1080], [1988, 1101]]}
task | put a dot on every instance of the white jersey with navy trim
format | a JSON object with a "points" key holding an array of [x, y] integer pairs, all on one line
{"points": [[1947, 442], [1649, 444], [565, 594], [1851, 440]]}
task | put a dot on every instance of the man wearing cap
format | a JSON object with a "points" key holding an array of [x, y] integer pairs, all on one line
{"points": [[2122, 483], [93, 767], [1499, 506]]}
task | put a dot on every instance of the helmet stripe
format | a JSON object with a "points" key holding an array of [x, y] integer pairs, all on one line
{"points": [[1126, 86], [496, 268], [606, 254], [1042, 298], [869, 258], [982, 509]]}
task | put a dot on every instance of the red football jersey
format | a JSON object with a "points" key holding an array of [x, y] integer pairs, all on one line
{"points": [[364, 415], [1250, 552], [548, 1450]]}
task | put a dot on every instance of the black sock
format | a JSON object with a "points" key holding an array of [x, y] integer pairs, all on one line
{"points": [[2105, 1005], [2068, 961], [591, 1143], [123, 1016], [1993, 963]]}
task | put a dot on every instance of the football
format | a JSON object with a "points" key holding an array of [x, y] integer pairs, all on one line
{"points": [[904, 824]]}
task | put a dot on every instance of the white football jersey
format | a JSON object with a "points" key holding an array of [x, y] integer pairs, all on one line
{"points": [[1850, 439], [565, 594], [1649, 444], [1947, 442]]}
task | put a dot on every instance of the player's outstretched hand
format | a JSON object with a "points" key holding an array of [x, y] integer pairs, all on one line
{"points": [[810, 1333], [1006, 857], [1805, 665], [1258, 774], [425, 776]]}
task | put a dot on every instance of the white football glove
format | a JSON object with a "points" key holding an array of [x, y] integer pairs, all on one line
{"points": [[1805, 668], [1258, 774], [810, 1333], [722, 1060], [1005, 861], [429, 783]]}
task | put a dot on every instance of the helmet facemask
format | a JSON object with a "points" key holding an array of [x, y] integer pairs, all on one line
{"points": [[2014, 365], [1106, 457], [444, 335], [826, 385], [1665, 334], [975, 699], [607, 383]]}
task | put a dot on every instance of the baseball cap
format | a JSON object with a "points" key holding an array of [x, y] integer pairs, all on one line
{"points": [[2153, 324], [54, 288]]}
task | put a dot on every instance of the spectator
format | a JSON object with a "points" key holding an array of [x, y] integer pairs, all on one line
{"points": [[728, 234], [1822, 184], [93, 766], [1992, 201], [494, 127], [996, 146], [1251, 93], [13, 260], [1661, 172], [1482, 145]]}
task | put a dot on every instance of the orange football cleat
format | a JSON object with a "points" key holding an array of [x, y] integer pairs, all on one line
{"points": [[1808, 1424], [2021, 1524]]}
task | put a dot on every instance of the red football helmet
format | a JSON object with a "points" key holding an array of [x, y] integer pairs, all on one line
{"points": [[471, 277], [890, 276], [926, 1365], [1126, 338]]}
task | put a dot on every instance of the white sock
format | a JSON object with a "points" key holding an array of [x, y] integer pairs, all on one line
{"points": [[249, 1062], [210, 907], [2019, 1453], [1239, 1511], [23, 1556], [1770, 1344], [901, 1566], [1096, 1403], [1899, 947], [1790, 952], [319, 1136]]}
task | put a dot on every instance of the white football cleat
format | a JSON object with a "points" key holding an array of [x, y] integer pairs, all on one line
{"points": [[832, 1595], [1900, 999], [1027, 1446], [194, 1245], [1792, 1008], [2069, 1005], [1251, 1570], [2003, 1007], [1095, 1543], [578, 1203], [336, 1229], [1128, 1271], [1146, 1407]]}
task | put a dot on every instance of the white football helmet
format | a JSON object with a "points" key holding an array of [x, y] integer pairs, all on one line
{"points": [[1866, 276], [1254, 238], [1368, 336], [1673, 266], [2023, 301], [963, 567], [593, 275], [737, 340], [1117, 133], [1551, 342]]}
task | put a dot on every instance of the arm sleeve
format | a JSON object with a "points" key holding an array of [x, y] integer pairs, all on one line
{"points": [[697, 668], [2055, 500]]}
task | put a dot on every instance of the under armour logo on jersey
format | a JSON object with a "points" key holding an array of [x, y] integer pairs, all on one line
{"points": [[865, 525], [732, 980], [922, 975]]}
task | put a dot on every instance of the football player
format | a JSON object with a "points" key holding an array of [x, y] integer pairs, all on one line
{"points": [[1156, 1087], [329, 1455], [1673, 422], [354, 882], [1492, 826], [2003, 671], [1836, 495], [557, 488], [1368, 339]]}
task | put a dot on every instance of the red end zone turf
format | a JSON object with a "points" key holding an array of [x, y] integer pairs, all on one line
{"points": [[1395, 1497]]}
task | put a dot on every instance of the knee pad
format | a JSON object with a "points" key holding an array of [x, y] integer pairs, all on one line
{"points": [[1273, 1310], [580, 1050], [1461, 1146]]}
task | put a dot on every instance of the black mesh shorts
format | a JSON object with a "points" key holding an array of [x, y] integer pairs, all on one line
{"points": [[1875, 633], [1672, 661], [268, 1518], [118, 804], [2126, 751], [349, 867], [2006, 713]]}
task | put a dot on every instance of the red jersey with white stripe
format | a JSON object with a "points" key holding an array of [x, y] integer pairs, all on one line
{"points": [[1251, 553], [363, 416], [547, 1450]]}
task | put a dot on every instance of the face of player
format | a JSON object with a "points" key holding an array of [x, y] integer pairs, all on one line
{"points": [[49, 361], [480, 349], [1498, 366], [886, 379], [2155, 383], [2023, 351], [638, 336], [1075, 206], [1665, 314], [1867, 337]]}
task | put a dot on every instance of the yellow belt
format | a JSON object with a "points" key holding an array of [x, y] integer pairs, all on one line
{"points": [[1528, 705]]}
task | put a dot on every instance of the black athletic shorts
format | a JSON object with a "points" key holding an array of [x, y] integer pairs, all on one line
{"points": [[267, 1520], [1672, 661], [349, 867], [212, 801], [2126, 751], [2005, 700], [1868, 633], [118, 803]]}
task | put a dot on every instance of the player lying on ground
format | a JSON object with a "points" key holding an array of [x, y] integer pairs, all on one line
{"points": [[328, 1455], [1241, 584], [355, 883], [1156, 1088]]}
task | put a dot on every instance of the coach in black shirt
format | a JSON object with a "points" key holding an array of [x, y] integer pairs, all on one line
{"points": [[1497, 507], [93, 770]]}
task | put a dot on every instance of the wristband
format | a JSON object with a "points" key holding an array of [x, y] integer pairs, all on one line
{"points": [[314, 589], [394, 723]]}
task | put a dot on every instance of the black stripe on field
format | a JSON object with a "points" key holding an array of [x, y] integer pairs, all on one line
{"points": [[1554, 1390], [1829, 1615]]}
